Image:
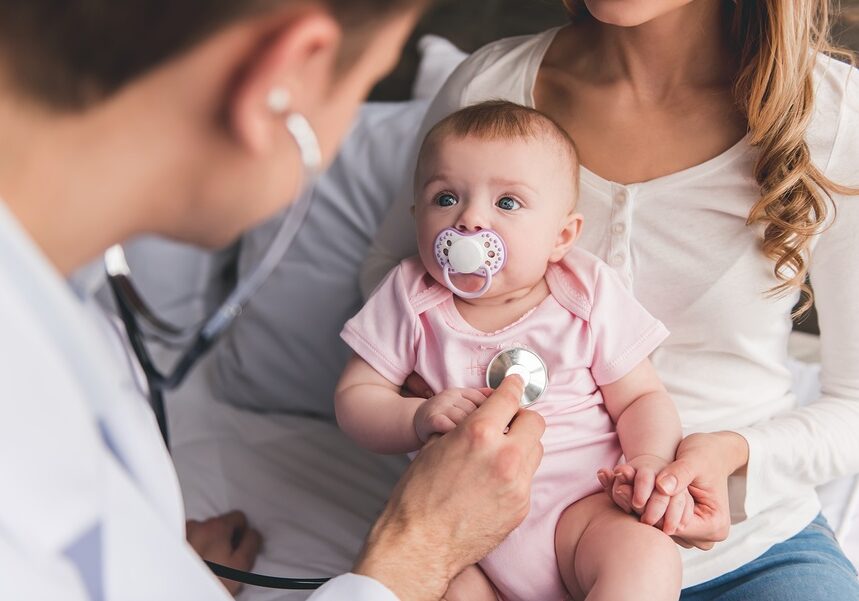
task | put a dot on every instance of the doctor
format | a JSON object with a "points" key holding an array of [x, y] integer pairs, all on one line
{"points": [[156, 116]]}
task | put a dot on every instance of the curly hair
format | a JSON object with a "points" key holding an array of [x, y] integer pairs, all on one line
{"points": [[778, 43]]}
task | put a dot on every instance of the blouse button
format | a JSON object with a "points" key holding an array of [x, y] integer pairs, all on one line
{"points": [[618, 228], [617, 260]]}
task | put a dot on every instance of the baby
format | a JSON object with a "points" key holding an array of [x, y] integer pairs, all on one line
{"points": [[499, 283]]}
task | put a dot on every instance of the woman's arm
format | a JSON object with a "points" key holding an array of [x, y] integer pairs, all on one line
{"points": [[371, 411], [820, 442], [816, 443]]}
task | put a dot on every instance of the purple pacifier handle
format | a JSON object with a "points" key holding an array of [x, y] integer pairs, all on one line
{"points": [[462, 293]]}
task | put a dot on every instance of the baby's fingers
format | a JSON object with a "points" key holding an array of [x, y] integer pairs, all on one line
{"points": [[457, 413], [655, 508], [475, 396], [624, 473], [645, 479], [441, 423], [674, 514]]}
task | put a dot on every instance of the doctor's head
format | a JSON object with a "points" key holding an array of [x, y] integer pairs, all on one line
{"points": [[175, 96], [503, 168]]}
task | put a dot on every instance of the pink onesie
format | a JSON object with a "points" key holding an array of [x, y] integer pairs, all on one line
{"points": [[590, 331]]}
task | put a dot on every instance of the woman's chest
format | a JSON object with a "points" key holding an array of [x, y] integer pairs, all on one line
{"points": [[686, 253], [625, 137]]}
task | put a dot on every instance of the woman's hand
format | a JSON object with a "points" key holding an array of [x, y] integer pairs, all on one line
{"points": [[458, 499], [702, 465], [633, 489]]}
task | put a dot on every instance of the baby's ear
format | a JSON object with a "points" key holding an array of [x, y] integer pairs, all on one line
{"points": [[570, 232]]}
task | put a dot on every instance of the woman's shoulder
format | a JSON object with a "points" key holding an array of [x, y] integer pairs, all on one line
{"points": [[833, 133], [501, 69]]}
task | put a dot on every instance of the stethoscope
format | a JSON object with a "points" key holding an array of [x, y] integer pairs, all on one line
{"points": [[141, 322], [457, 253]]}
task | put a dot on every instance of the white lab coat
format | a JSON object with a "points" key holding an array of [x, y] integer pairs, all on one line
{"points": [[90, 506]]}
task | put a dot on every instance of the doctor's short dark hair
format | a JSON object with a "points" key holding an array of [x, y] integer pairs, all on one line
{"points": [[72, 53]]}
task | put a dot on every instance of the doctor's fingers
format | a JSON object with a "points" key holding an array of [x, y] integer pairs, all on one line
{"points": [[246, 551], [499, 409], [216, 528], [525, 432], [242, 557]]}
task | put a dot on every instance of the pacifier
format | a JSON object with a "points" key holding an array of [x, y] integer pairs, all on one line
{"points": [[461, 253]]}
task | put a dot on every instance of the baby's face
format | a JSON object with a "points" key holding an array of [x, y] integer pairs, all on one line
{"points": [[523, 189]]}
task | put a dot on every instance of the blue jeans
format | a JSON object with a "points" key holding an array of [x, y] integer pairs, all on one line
{"points": [[808, 567]]}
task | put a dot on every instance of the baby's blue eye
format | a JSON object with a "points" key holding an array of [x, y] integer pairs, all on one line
{"points": [[445, 200], [508, 204]]}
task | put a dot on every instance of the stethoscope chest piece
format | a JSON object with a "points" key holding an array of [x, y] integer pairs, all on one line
{"points": [[527, 364]]}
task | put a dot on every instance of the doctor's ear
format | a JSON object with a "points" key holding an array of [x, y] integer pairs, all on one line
{"points": [[567, 236], [291, 68]]}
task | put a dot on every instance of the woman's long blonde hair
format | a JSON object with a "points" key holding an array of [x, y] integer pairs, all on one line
{"points": [[778, 43]]}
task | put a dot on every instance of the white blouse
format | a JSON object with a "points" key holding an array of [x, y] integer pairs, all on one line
{"points": [[681, 243]]}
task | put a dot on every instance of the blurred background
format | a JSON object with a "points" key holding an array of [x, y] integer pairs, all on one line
{"points": [[470, 24]]}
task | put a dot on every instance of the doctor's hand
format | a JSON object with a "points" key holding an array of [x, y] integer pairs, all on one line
{"points": [[225, 539], [458, 499], [445, 411]]}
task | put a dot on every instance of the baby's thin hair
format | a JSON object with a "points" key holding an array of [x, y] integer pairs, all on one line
{"points": [[503, 120]]}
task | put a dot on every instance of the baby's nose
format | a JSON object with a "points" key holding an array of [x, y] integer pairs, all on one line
{"points": [[471, 220]]}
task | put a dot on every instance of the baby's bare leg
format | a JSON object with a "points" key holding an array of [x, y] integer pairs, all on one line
{"points": [[605, 554], [471, 585]]}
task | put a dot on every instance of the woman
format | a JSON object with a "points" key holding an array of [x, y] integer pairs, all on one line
{"points": [[122, 118], [715, 142]]}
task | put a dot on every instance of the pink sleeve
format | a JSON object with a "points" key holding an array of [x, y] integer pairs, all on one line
{"points": [[623, 333], [384, 332]]}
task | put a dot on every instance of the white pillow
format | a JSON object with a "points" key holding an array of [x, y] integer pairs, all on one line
{"points": [[439, 58]]}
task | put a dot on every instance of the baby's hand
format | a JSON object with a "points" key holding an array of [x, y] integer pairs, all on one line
{"points": [[634, 489], [443, 412]]}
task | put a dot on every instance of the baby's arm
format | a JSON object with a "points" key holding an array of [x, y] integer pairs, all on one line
{"points": [[371, 411], [649, 430]]}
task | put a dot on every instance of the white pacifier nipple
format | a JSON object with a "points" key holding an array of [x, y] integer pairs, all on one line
{"points": [[481, 252], [466, 255]]}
